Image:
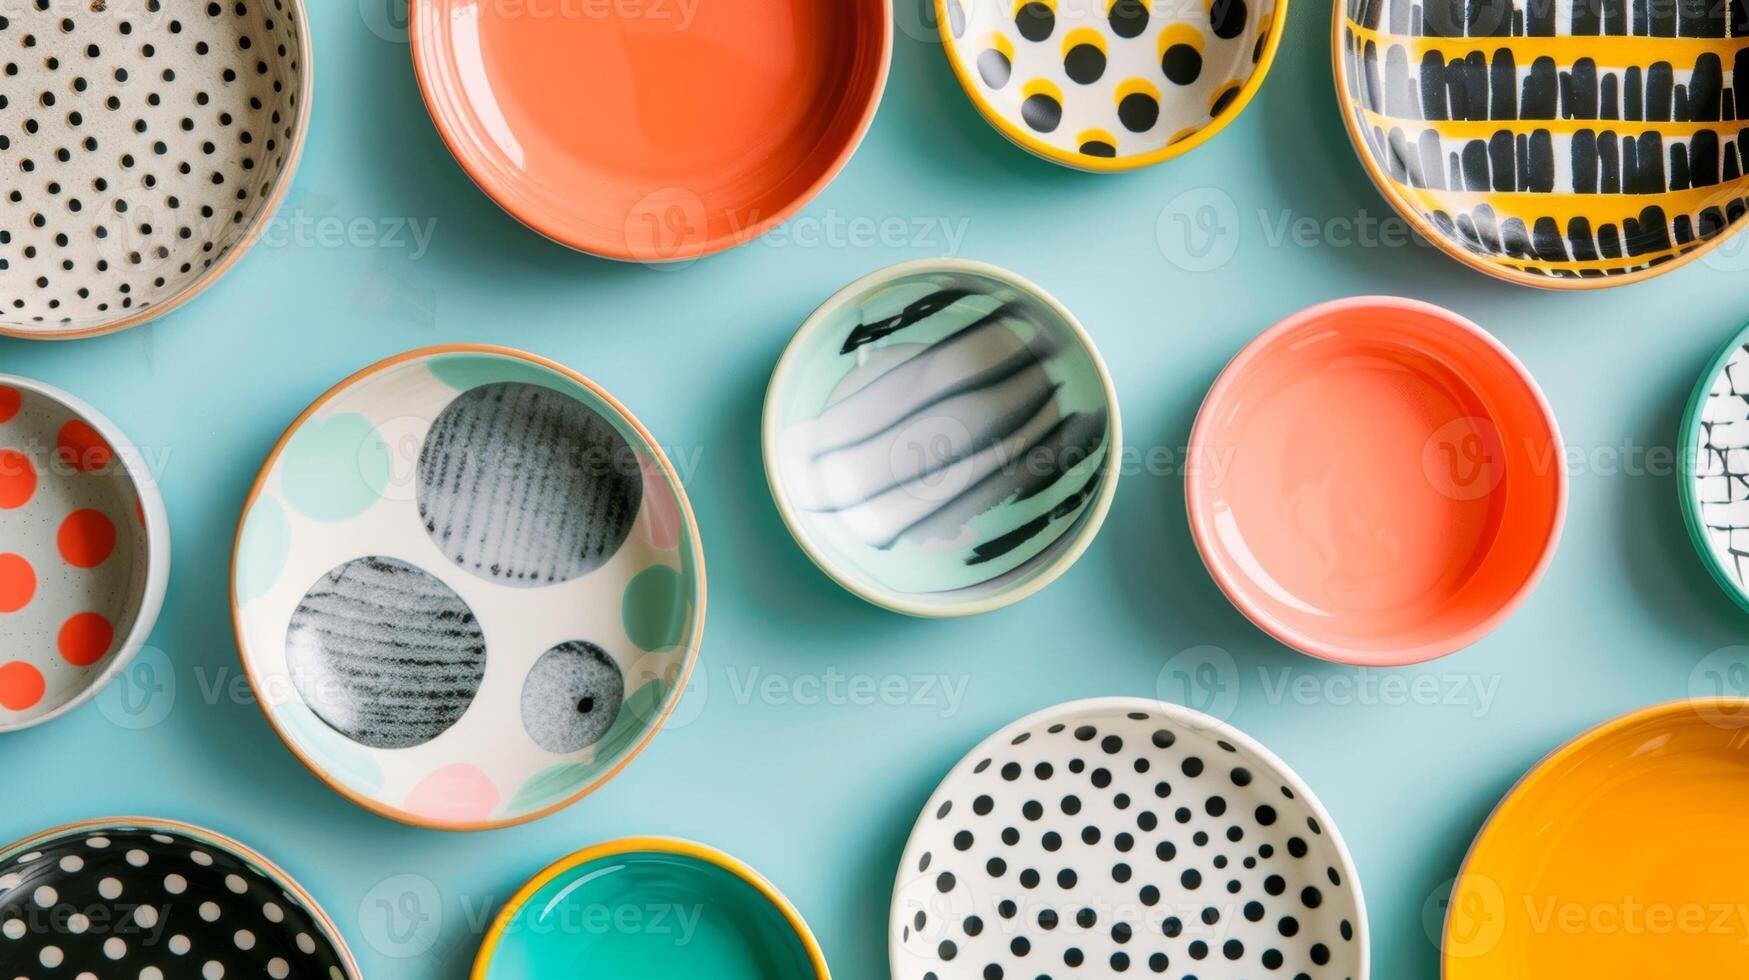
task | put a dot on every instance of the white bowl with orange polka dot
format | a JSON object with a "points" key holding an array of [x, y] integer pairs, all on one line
{"points": [[84, 552]]}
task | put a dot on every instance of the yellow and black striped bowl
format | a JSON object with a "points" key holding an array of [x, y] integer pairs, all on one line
{"points": [[1567, 144]]}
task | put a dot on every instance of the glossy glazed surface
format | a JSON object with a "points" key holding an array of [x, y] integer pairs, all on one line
{"points": [[84, 552], [468, 587], [1377, 481], [1566, 144], [1110, 86], [649, 915], [652, 131], [146, 145], [1621, 855], [1714, 444], [940, 438], [1120, 835], [144, 898]]}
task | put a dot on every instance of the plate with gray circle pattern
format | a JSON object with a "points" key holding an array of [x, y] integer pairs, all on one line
{"points": [[468, 587], [1122, 836]]}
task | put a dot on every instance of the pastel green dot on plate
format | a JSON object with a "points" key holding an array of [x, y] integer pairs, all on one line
{"points": [[351, 762], [654, 608], [650, 915], [334, 468], [266, 545], [466, 371]]}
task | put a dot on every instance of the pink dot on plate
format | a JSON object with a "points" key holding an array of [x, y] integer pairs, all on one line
{"points": [[664, 509], [454, 794]]}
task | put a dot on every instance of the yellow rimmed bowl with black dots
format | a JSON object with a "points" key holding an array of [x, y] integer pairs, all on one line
{"points": [[143, 146], [1110, 85]]}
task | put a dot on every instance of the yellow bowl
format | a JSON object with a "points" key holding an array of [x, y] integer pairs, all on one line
{"points": [[1566, 145], [1621, 855]]}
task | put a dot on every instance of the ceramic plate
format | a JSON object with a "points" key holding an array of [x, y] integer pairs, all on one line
{"points": [[1125, 836], [1620, 855], [84, 552], [468, 587], [157, 900], [1376, 481], [1561, 144], [1111, 85], [652, 130], [941, 438], [650, 909], [1714, 447], [146, 145]]}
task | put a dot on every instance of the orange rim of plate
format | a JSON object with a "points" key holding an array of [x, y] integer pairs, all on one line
{"points": [[426, 56], [649, 845], [693, 644], [1735, 709]]}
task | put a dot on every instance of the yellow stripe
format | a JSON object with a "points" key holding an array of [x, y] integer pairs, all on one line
{"points": [[1484, 128], [1613, 52], [1599, 209]]}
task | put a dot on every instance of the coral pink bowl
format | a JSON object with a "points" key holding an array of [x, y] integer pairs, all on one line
{"points": [[1377, 481]]}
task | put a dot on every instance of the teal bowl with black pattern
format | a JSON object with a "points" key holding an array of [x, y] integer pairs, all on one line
{"points": [[468, 587], [942, 438]]}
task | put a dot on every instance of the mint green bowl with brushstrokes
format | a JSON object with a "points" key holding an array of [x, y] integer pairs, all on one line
{"points": [[650, 908], [467, 588], [942, 438]]}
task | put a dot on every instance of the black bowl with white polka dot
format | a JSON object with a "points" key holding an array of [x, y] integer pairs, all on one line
{"points": [[143, 145], [156, 901], [1121, 836]]}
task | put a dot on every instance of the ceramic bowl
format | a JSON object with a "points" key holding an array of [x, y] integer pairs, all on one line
{"points": [[1714, 448], [1376, 481], [646, 130], [146, 146], [941, 437], [1592, 836], [148, 898], [1572, 146], [1125, 836], [650, 907], [1108, 86], [84, 552], [468, 587]]}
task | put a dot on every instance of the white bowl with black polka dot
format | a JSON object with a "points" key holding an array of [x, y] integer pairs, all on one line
{"points": [[1123, 836], [157, 900], [143, 146]]}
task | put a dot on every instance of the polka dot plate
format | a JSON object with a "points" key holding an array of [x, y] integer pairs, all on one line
{"points": [[157, 900], [1567, 144], [84, 552], [468, 587], [146, 144], [941, 436], [1107, 85], [1121, 836]]}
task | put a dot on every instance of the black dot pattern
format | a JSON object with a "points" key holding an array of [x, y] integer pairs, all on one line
{"points": [[141, 141], [1110, 80], [1118, 838], [155, 903]]}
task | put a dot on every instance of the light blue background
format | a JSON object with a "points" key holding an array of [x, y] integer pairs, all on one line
{"points": [[819, 795]]}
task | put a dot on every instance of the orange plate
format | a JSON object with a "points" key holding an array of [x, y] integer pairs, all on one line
{"points": [[651, 130], [1622, 855]]}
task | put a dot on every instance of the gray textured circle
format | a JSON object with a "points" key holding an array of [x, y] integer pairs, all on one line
{"points": [[384, 653], [526, 486], [572, 697]]}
